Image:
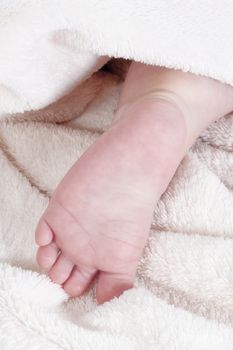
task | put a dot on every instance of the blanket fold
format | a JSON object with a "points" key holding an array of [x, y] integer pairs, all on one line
{"points": [[47, 47]]}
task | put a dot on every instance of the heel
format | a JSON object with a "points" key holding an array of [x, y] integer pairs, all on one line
{"points": [[158, 94]]}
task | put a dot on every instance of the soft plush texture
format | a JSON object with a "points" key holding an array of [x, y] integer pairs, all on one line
{"points": [[51, 53]]}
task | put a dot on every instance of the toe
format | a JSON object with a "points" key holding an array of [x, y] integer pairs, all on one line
{"points": [[112, 285], [44, 234], [47, 255], [79, 281], [61, 269]]}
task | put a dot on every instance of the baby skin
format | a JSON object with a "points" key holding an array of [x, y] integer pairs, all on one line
{"points": [[98, 219]]}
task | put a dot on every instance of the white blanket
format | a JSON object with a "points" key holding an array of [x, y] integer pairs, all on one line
{"points": [[50, 51]]}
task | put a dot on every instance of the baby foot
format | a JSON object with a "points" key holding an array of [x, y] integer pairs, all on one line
{"points": [[99, 216]]}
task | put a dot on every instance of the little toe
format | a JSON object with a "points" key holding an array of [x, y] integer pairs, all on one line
{"points": [[79, 281], [110, 285], [47, 255], [61, 270], [44, 234]]}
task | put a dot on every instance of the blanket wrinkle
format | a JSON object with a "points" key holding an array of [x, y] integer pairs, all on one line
{"points": [[10, 157], [193, 304], [172, 230], [62, 65]]}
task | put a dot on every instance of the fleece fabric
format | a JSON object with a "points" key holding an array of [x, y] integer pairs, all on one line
{"points": [[54, 103]]}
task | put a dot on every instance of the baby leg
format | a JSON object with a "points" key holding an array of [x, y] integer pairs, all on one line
{"points": [[99, 216]]}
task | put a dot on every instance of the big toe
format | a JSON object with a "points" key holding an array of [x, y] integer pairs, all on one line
{"points": [[112, 285], [47, 255]]}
